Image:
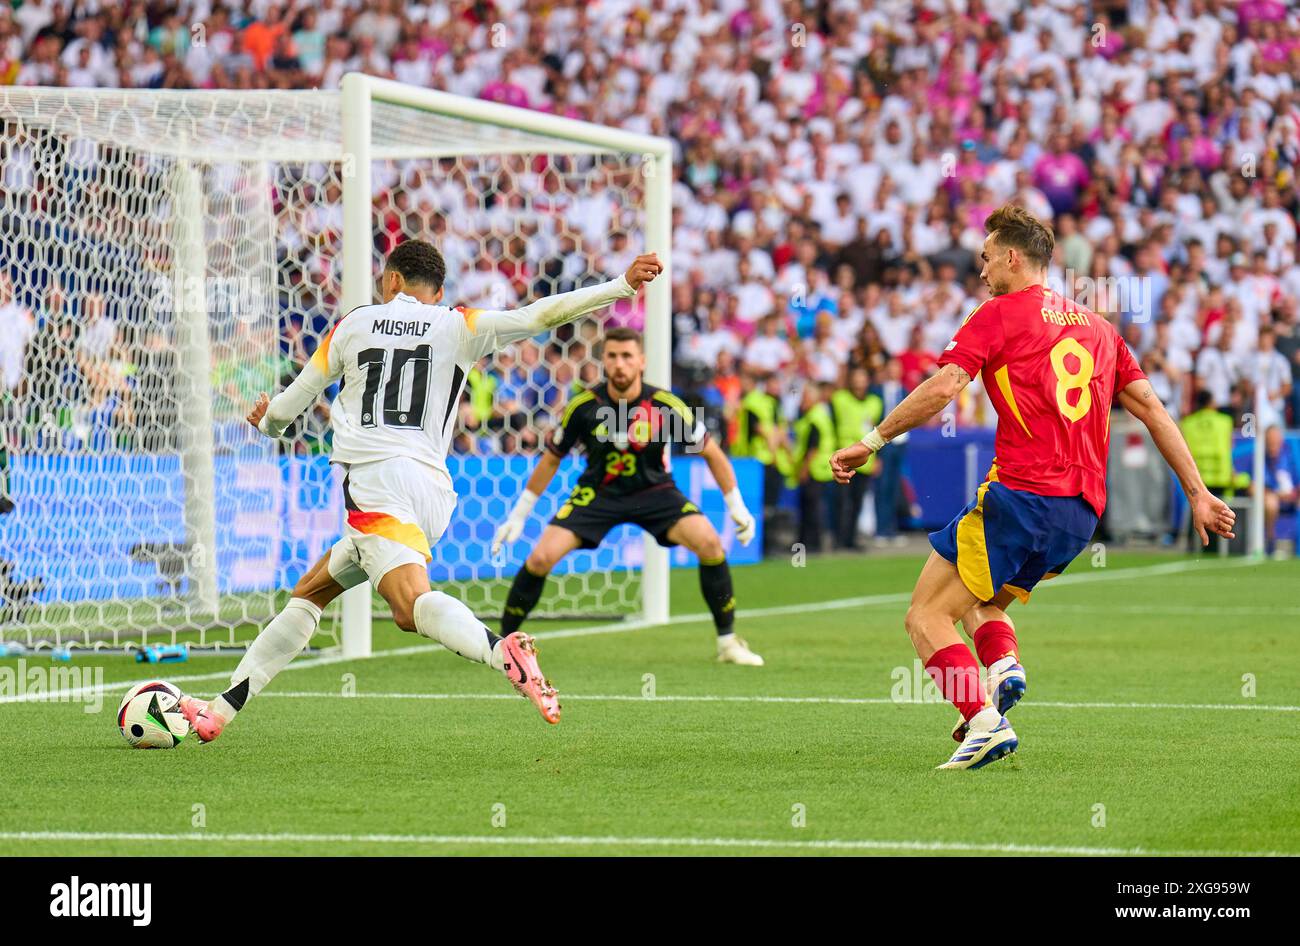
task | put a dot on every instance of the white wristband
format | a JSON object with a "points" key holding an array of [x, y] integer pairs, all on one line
{"points": [[874, 440], [735, 502]]}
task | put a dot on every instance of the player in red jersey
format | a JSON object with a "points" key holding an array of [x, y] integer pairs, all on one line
{"points": [[1052, 369]]}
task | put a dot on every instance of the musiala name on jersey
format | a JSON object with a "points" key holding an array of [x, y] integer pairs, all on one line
{"points": [[395, 327]]}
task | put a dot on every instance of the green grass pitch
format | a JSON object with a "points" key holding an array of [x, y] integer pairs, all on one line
{"points": [[1161, 715]]}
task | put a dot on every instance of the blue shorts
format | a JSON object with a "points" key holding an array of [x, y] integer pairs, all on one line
{"points": [[1011, 539]]}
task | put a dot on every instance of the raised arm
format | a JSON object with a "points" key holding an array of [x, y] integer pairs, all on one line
{"points": [[272, 416], [1208, 511], [492, 329], [927, 399]]}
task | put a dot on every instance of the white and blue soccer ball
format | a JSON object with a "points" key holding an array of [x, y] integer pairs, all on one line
{"points": [[150, 716]]}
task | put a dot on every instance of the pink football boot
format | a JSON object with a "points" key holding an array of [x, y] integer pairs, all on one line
{"points": [[207, 726], [520, 667]]}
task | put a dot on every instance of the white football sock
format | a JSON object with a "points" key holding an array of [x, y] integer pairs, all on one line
{"points": [[986, 720], [280, 641], [1002, 663], [447, 620]]}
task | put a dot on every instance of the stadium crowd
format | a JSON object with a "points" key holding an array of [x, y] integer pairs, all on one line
{"points": [[835, 163]]}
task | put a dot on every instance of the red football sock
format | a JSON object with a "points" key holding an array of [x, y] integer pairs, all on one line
{"points": [[957, 675], [994, 640]]}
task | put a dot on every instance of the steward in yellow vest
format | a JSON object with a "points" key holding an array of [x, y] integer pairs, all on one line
{"points": [[856, 410], [814, 444]]}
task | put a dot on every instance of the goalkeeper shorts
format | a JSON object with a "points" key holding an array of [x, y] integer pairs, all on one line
{"points": [[590, 513], [1008, 538], [396, 510]]}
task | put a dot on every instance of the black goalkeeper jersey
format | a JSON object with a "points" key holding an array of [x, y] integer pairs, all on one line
{"points": [[626, 442]]}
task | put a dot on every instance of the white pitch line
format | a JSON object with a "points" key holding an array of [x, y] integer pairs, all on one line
{"points": [[305, 664], [1172, 609], [814, 700], [623, 627], [566, 840], [1079, 576]]}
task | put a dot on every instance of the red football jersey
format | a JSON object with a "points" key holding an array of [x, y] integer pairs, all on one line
{"points": [[1052, 369]]}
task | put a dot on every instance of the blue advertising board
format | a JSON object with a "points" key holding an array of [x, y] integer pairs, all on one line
{"points": [[90, 527], [944, 471]]}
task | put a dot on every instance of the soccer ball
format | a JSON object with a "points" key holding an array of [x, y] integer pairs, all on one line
{"points": [[150, 716]]}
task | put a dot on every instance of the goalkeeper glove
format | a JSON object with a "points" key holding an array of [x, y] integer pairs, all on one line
{"points": [[513, 527], [744, 520]]}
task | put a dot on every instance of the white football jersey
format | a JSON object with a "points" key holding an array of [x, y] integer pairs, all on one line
{"points": [[403, 366]]}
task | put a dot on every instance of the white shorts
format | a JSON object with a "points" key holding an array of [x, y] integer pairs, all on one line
{"points": [[396, 510]]}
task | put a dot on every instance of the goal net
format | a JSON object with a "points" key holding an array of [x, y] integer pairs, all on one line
{"points": [[168, 255]]}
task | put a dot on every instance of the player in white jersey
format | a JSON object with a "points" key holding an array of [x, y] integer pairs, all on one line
{"points": [[403, 365]]}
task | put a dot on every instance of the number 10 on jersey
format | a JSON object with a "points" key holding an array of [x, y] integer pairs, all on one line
{"points": [[412, 363]]}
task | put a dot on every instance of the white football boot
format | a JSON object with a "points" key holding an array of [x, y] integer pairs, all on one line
{"points": [[990, 738], [733, 650], [1004, 682]]}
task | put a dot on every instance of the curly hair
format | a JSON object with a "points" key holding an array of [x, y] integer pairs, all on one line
{"points": [[1018, 229], [418, 262]]}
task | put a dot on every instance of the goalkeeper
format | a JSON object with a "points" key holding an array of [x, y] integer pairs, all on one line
{"points": [[625, 426]]}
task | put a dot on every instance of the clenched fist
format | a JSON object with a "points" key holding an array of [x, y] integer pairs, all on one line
{"points": [[643, 269]]}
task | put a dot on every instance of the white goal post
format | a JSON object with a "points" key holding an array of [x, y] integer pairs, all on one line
{"points": [[359, 93], [164, 255]]}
